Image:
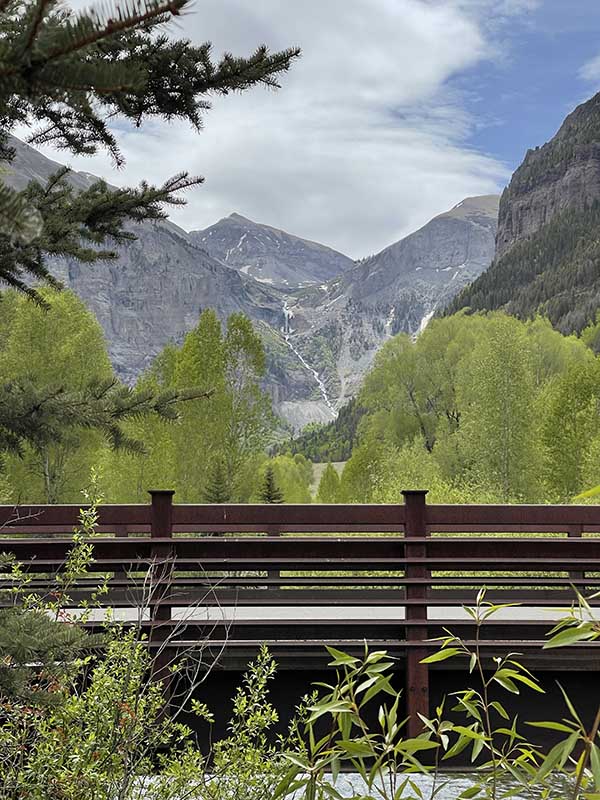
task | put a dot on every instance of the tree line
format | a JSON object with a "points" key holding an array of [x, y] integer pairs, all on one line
{"points": [[214, 449], [481, 408]]}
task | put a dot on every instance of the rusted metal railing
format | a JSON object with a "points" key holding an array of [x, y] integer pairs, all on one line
{"points": [[298, 576]]}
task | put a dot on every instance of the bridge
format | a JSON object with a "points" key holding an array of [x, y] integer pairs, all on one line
{"points": [[297, 576]]}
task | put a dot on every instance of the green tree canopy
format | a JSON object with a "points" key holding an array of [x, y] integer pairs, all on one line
{"points": [[329, 485], [480, 408]]}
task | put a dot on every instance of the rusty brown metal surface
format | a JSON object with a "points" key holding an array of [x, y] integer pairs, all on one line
{"points": [[325, 556]]}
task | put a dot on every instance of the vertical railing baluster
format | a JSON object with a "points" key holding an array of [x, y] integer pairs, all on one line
{"points": [[160, 586], [576, 532], [417, 674]]}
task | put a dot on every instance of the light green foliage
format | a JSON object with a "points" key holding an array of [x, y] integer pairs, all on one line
{"points": [[497, 431], [329, 485], [480, 408], [63, 347], [229, 423], [570, 426], [98, 740], [127, 477], [198, 438], [292, 475], [234, 422], [505, 762], [248, 764]]}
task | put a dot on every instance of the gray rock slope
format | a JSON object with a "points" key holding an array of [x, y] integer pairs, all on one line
{"points": [[156, 289], [321, 329], [270, 255], [397, 290]]}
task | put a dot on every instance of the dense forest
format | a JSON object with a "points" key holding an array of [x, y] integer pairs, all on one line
{"points": [[554, 273], [481, 407]]}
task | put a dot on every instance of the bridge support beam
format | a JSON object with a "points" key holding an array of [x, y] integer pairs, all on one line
{"points": [[417, 674]]}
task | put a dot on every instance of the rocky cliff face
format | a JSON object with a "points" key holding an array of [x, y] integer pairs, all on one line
{"points": [[548, 241], [156, 291], [341, 326], [269, 255], [563, 174]]}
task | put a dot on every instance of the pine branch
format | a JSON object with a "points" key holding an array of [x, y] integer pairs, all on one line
{"points": [[42, 416], [38, 15]]}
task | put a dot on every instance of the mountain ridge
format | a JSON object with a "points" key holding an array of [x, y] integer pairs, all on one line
{"points": [[320, 335], [268, 254]]}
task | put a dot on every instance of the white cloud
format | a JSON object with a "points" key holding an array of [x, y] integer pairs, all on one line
{"points": [[363, 143], [590, 71]]}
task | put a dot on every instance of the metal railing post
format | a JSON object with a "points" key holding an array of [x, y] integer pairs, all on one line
{"points": [[161, 527], [417, 674]]}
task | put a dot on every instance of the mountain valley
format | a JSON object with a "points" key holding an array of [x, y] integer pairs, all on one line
{"points": [[321, 315]]}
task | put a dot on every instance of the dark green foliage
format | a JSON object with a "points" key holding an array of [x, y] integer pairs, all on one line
{"points": [[42, 415], [555, 273], [331, 442], [217, 488], [270, 491], [551, 162], [591, 335], [34, 651]]}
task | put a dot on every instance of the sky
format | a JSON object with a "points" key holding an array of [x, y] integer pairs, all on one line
{"points": [[397, 110]]}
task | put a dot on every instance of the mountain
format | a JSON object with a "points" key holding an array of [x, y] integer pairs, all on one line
{"points": [[321, 329], [340, 326], [548, 241], [29, 165], [269, 255], [154, 292]]}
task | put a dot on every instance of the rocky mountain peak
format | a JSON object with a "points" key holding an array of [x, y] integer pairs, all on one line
{"points": [[235, 217], [268, 254]]}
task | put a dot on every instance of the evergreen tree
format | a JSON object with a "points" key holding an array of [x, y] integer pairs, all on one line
{"points": [[36, 650], [217, 488], [65, 74], [270, 491], [329, 485]]}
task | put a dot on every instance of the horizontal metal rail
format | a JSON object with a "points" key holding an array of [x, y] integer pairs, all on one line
{"points": [[304, 575]]}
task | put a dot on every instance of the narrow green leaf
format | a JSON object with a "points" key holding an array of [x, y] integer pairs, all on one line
{"points": [[551, 726], [441, 655]]}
